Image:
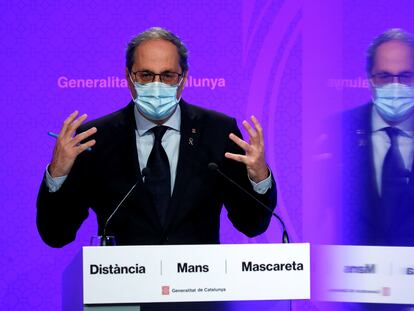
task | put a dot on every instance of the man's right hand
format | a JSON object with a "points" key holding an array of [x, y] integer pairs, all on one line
{"points": [[68, 146]]}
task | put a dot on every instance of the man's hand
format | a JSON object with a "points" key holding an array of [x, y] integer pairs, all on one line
{"points": [[254, 159], [68, 147]]}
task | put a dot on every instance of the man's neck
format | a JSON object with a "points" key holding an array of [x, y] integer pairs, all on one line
{"points": [[378, 123]]}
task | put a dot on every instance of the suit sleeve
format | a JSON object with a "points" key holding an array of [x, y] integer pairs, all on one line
{"points": [[246, 214], [61, 213]]}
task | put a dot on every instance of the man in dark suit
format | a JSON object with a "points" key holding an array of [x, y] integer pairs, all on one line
{"points": [[372, 164], [378, 146], [177, 199]]}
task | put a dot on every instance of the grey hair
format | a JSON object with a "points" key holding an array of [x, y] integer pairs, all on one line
{"points": [[157, 33], [394, 34]]}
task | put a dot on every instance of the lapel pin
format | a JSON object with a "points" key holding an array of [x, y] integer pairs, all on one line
{"points": [[194, 131], [362, 142], [362, 138], [191, 141]]}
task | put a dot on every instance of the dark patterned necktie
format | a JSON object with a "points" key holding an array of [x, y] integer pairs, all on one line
{"points": [[159, 180], [394, 184]]}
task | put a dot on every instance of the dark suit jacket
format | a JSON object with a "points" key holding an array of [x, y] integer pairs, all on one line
{"points": [[364, 220], [99, 180]]}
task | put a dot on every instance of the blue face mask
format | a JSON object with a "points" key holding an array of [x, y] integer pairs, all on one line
{"points": [[156, 100], [394, 101]]}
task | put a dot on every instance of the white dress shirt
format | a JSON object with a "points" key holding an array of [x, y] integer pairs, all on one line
{"points": [[170, 141], [381, 143]]}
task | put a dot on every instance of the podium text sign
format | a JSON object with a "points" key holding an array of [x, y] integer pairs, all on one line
{"points": [[183, 273]]}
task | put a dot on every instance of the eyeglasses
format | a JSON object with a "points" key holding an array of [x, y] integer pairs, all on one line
{"points": [[166, 77], [382, 78]]}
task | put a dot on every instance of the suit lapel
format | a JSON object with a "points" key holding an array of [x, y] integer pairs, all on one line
{"points": [[188, 155], [359, 171], [371, 178], [365, 151], [131, 153]]}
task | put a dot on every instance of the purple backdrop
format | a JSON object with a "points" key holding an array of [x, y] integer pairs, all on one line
{"points": [[289, 62]]}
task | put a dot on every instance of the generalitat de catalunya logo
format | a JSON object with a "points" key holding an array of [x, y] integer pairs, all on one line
{"points": [[165, 290]]}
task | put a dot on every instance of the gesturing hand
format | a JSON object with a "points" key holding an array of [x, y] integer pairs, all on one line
{"points": [[68, 146], [254, 159]]}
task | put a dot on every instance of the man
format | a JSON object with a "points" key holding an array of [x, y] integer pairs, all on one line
{"points": [[165, 146], [374, 169], [378, 148]]}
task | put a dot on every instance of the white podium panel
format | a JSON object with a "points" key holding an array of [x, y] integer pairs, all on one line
{"points": [[180, 273], [375, 274]]}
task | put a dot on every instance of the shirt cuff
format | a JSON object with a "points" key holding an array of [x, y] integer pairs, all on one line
{"points": [[53, 183], [262, 186]]}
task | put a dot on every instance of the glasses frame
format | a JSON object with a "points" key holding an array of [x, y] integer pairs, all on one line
{"points": [[179, 75], [400, 76]]}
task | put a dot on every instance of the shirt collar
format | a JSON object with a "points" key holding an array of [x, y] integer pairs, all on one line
{"points": [[407, 126], [144, 125]]}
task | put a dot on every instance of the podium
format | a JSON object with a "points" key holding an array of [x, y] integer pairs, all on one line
{"points": [[364, 274], [125, 277]]}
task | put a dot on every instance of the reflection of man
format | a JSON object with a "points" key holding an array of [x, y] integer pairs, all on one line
{"points": [[179, 200], [376, 158], [378, 148]]}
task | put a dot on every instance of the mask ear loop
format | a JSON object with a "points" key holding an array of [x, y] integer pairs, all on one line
{"points": [[373, 87], [132, 81], [178, 86]]}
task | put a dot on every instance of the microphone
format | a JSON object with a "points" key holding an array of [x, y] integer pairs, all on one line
{"points": [[145, 172], [214, 167]]}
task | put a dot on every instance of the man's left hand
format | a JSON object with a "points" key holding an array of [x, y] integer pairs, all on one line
{"points": [[254, 159]]}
